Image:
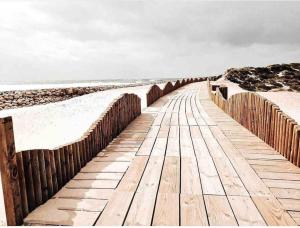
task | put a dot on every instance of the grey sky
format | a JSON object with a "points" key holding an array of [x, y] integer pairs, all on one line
{"points": [[94, 39]]}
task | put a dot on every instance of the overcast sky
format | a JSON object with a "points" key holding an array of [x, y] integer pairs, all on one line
{"points": [[93, 39]]}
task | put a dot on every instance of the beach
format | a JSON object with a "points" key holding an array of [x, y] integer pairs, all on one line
{"points": [[51, 125]]}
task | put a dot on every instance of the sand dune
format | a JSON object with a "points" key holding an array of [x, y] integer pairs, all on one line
{"points": [[51, 125]]}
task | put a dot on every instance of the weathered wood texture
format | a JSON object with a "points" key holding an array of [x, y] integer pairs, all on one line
{"points": [[263, 118], [9, 173], [30, 178]]}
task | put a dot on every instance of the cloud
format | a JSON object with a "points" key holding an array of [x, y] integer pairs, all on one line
{"points": [[59, 40]]}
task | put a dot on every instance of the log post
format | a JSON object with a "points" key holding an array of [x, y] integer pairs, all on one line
{"points": [[9, 174], [224, 91]]}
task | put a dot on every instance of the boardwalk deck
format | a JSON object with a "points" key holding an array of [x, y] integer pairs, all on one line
{"points": [[182, 162]]}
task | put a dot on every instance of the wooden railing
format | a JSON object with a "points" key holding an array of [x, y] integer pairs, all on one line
{"points": [[30, 178], [263, 118], [155, 92]]}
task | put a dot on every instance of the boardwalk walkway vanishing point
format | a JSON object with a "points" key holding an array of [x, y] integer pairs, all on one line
{"points": [[183, 161]]}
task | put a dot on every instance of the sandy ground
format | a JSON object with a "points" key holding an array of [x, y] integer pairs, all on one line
{"points": [[289, 102], [52, 125]]}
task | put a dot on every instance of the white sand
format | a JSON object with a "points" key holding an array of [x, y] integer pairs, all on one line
{"points": [[289, 102], [52, 125]]}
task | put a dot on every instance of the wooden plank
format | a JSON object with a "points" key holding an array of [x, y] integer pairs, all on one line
{"points": [[182, 114], [167, 119], [158, 119], [192, 210], [189, 113], [219, 211], [286, 193], [208, 120], [173, 147], [116, 210], [245, 211], [190, 180], [141, 209], [276, 169], [98, 176], [279, 176], [210, 180], [44, 216], [211, 183], [174, 119], [251, 181], [92, 184], [268, 206], [66, 212], [290, 204], [296, 216], [282, 184], [114, 156], [186, 145], [120, 149], [159, 147], [166, 211], [270, 162], [78, 193], [133, 175], [146, 147], [263, 156], [211, 142], [153, 132], [272, 211], [151, 176], [174, 132], [229, 178], [199, 119], [170, 178], [109, 167], [91, 205]]}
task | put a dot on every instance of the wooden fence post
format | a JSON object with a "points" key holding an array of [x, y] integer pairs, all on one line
{"points": [[9, 173], [224, 91]]}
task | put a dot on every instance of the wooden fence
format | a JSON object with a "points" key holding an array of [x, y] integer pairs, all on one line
{"points": [[263, 118], [155, 92], [30, 178]]}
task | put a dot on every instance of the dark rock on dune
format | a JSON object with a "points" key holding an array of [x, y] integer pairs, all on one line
{"points": [[276, 77]]}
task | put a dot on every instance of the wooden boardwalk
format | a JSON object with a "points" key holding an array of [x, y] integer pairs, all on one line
{"points": [[182, 162]]}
